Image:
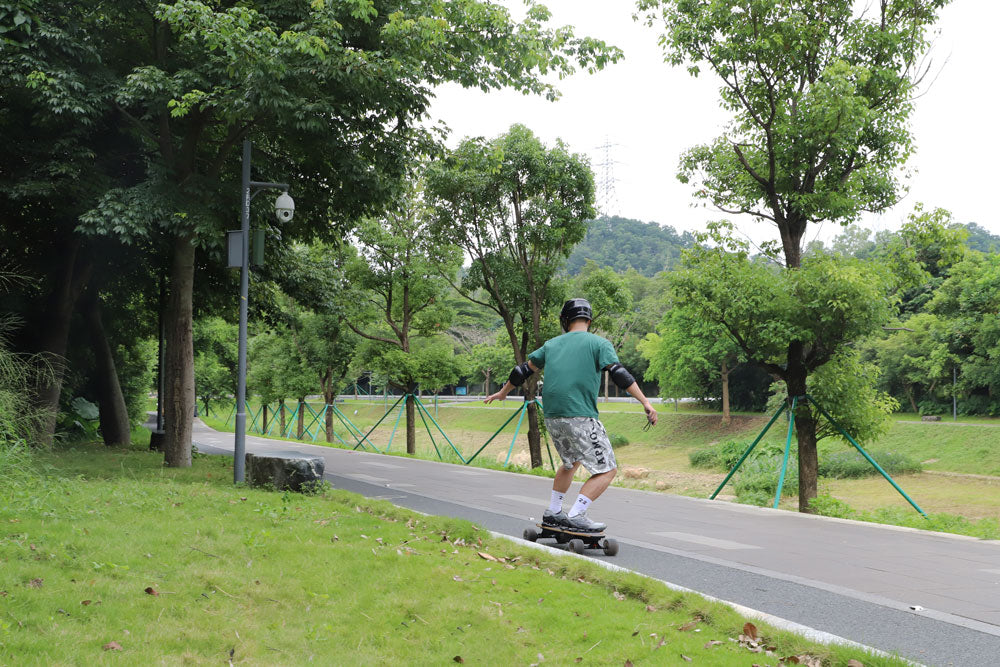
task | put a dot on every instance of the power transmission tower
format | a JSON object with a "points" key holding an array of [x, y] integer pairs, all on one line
{"points": [[607, 197]]}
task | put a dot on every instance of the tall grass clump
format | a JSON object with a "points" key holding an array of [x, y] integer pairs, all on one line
{"points": [[19, 374], [18, 417], [850, 464], [724, 455]]}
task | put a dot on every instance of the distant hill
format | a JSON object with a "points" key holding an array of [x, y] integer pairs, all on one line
{"points": [[981, 239], [623, 243]]}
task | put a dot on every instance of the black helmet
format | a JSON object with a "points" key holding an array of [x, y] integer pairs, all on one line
{"points": [[575, 309]]}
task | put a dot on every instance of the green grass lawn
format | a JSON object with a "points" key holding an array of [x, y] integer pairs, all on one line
{"points": [[108, 557]]}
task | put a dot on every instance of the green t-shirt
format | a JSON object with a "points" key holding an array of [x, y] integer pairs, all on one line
{"points": [[573, 364]]}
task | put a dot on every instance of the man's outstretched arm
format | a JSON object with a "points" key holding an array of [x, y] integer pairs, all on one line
{"points": [[517, 377], [624, 380]]}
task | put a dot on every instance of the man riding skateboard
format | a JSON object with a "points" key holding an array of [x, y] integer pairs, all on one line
{"points": [[573, 363]]}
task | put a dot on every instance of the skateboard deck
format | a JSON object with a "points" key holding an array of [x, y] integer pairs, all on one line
{"points": [[577, 541]]}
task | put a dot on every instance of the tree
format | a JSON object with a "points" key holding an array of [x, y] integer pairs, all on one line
{"points": [[969, 302], [915, 359], [62, 152], [326, 347], [517, 209], [215, 359], [491, 360], [688, 355], [821, 99], [185, 83], [401, 296]]}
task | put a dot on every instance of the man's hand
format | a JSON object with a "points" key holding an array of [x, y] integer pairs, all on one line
{"points": [[499, 396], [650, 413]]}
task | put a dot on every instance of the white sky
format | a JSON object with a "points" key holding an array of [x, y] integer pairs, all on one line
{"points": [[652, 112]]}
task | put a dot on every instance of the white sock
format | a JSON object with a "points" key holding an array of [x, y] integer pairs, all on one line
{"points": [[581, 505], [555, 505]]}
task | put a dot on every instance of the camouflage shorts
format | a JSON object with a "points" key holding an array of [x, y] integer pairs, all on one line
{"points": [[584, 440]]}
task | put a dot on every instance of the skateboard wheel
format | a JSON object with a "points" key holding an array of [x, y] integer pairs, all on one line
{"points": [[610, 547], [576, 546], [530, 534], [562, 538]]}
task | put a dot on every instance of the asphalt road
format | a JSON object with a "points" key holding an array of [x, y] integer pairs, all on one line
{"points": [[930, 597]]}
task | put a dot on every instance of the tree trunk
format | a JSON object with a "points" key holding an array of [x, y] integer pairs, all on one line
{"points": [[263, 419], [72, 277], [486, 385], [281, 411], [725, 394], [805, 428], [302, 418], [115, 424], [909, 394], [329, 420], [411, 424], [179, 362]]}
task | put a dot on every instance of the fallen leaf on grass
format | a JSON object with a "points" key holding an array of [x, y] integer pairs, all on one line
{"points": [[618, 596], [686, 659], [35, 583], [750, 630], [855, 663], [457, 578], [112, 646], [714, 642], [151, 591], [486, 556], [688, 626], [458, 659], [628, 663], [650, 607]]}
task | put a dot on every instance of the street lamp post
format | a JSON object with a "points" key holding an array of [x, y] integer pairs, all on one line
{"points": [[284, 208]]}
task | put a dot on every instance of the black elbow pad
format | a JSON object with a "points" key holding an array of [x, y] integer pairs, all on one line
{"points": [[620, 376], [520, 373]]}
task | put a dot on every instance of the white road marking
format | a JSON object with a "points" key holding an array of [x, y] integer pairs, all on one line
{"points": [[365, 478], [382, 465], [522, 499], [706, 541]]}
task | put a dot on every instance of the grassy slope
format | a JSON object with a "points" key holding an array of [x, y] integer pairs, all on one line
{"points": [[179, 566]]}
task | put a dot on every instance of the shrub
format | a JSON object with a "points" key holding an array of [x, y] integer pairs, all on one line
{"points": [[987, 528], [850, 464], [725, 454], [617, 440], [827, 505], [758, 479]]}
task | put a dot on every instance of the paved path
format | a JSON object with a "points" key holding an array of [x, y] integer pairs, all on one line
{"points": [[931, 597]]}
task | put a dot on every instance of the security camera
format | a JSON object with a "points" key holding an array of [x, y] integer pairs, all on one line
{"points": [[284, 207]]}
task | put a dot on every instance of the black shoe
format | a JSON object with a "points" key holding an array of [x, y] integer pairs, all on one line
{"points": [[550, 518]]}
